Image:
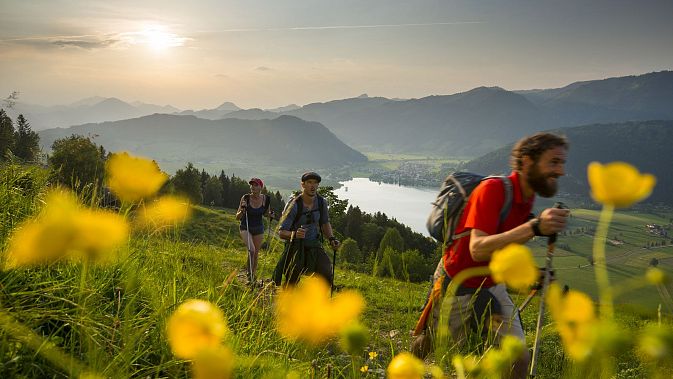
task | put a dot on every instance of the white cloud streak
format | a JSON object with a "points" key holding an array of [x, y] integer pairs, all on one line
{"points": [[330, 27]]}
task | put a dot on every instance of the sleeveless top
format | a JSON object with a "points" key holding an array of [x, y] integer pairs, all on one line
{"points": [[254, 215]]}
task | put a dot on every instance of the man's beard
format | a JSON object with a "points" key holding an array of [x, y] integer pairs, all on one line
{"points": [[539, 183]]}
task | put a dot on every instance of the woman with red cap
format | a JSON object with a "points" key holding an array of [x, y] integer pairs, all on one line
{"points": [[252, 209]]}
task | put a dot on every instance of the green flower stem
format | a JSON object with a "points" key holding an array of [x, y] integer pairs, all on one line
{"points": [[41, 345], [600, 266], [631, 284], [442, 340]]}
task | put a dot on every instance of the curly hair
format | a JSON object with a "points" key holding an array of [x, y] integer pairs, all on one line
{"points": [[534, 146]]}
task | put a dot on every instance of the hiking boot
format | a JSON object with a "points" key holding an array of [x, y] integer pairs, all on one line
{"points": [[421, 345]]}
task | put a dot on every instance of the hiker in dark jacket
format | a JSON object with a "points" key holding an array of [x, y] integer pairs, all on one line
{"points": [[304, 224], [251, 211]]}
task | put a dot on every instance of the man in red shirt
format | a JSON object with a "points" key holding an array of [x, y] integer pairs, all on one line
{"points": [[537, 162]]}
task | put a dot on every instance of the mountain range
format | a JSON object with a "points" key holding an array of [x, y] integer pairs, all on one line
{"points": [[475, 122], [92, 109], [466, 124]]}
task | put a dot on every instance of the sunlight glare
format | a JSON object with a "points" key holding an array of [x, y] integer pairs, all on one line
{"points": [[157, 38]]}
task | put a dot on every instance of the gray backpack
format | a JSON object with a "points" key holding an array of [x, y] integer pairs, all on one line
{"points": [[451, 200]]}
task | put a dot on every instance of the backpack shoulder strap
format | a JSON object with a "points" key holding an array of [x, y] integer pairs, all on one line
{"points": [[299, 203], [321, 207], [247, 199], [509, 197], [506, 206]]}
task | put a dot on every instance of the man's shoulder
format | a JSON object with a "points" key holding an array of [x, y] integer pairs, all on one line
{"points": [[494, 185]]}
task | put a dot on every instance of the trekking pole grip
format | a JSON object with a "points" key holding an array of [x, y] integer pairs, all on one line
{"points": [[552, 238]]}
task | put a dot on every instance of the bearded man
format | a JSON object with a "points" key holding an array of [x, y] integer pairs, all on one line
{"points": [[537, 162]]}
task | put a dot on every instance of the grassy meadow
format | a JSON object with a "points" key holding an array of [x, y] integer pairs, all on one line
{"points": [[108, 319]]}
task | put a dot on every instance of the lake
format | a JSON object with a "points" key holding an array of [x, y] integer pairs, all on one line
{"points": [[409, 205]]}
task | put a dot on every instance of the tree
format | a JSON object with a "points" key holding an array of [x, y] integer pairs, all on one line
{"points": [[350, 252], [187, 182], [27, 141], [337, 207], [414, 267], [392, 239], [389, 263], [7, 135], [353, 223], [277, 203], [77, 162], [212, 192], [204, 179], [224, 179], [371, 236]]}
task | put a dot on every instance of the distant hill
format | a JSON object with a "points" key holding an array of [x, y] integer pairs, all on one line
{"points": [[628, 98], [645, 144], [251, 114], [92, 109], [284, 141], [213, 114], [286, 108]]}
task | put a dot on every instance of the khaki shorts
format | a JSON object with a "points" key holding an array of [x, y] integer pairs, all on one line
{"points": [[508, 324]]}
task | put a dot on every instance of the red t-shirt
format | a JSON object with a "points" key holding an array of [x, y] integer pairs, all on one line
{"points": [[483, 212]]}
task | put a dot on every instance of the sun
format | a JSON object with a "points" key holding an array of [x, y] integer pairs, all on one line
{"points": [[157, 38]]}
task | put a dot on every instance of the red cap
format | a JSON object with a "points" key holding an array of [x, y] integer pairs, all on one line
{"points": [[257, 181]]}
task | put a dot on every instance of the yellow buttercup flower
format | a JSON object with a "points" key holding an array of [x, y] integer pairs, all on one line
{"points": [[655, 276], [575, 319], [405, 366], [133, 178], [656, 343], [195, 326], [97, 232], [496, 362], [364, 368], [215, 363], [373, 355], [619, 184], [514, 266], [307, 313], [65, 230], [164, 212], [437, 372], [512, 347]]}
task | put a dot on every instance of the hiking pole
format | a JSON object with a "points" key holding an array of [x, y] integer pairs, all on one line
{"points": [[333, 267], [551, 240], [530, 297], [247, 229]]}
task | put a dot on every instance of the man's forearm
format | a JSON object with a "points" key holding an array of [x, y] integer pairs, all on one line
{"points": [[482, 245], [285, 234]]}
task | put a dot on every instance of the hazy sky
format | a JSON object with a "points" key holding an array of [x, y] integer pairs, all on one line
{"points": [[198, 54]]}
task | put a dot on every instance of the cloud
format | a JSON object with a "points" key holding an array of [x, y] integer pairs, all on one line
{"points": [[263, 68], [87, 45], [87, 42]]}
